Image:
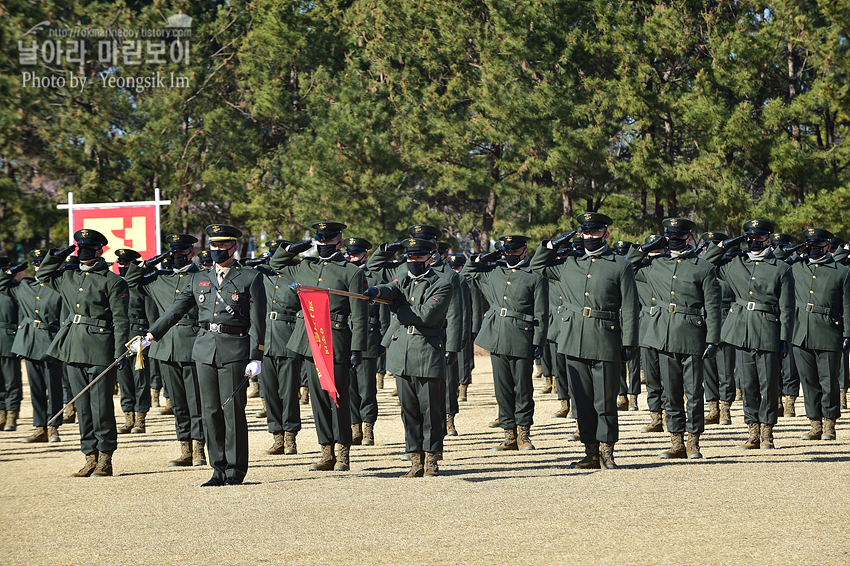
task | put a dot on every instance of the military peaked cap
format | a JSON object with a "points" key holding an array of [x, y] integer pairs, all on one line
{"points": [[181, 241], [514, 241], [328, 230], [425, 232], [593, 220], [419, 246], [758, 227], [222, 233], [126, 255], [89, 237]]}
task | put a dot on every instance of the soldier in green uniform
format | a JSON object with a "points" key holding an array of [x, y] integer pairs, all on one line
{"points": [[649, 356], [629, 371], [12, 393], [135, 383], [231, 306], [41, 312], [759, 323], [841, 253], [472, 326], [417, 354], [460, 296], [349, 321], [558, 361], [281, 377], [205, 259], [91, 340], [789, 389], [684, 328], [173, 350], [599, 330], [821, 330], [514, 332]]}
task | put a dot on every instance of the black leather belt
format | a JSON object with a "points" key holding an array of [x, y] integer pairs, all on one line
{"points": [[224, 329], [761, 307], [809, 307], [282, 316]]}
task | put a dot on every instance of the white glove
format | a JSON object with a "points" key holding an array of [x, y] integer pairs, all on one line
{"points": [[138, 344], [253, 368]]}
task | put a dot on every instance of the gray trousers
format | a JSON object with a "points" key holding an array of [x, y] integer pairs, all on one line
{"points": [[183, 385], [333, 424], [424, 426], [45, 381], [652, 373], [759, 375], [514, 390], [226, 430], [135, 387], [363, 392], [156, 375], [719, 375], [280, 381], [682, 375], [95, 409], [790, 376], [10, 380], [468, 363], [819, 373], [633, 385], [452, 382], [594, 385]]}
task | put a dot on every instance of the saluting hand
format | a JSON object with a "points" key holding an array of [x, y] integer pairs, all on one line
{"points": [[732, 242]]}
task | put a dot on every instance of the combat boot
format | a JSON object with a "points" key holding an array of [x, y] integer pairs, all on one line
{"points": [[357, 434], [451, 430], [368, 434], [417, 465], [739, 394], [167, 409], [509, 443], [713, 416], [277, 447], [185, 458], [549, 387], [843, 398], [494, 424], [576, 436], [790, 411], [622, 403], [431, 468], [591, 458], [563, 411], [53, 434], [815, 432], [462, 393], [752, 437], [633, 403], [780, 410], [128, 423], [379, 380], [289, 445], [524, 438], [104, 464], [326, 462], [89, 467], [538, 371], [154, 397], [261, 414], [677, 447], [69, 415], [725, 413], [254, 390], [394, 393], [693, 447], [828, 429], [198, 456], [2, 419], [11, 421], [38, 435], [304, 396], [342, 458], [139, 426], [766, 438], [656, 423], [606, 456]]}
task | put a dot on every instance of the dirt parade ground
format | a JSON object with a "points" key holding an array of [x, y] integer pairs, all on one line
{"points": [[785, 506]]}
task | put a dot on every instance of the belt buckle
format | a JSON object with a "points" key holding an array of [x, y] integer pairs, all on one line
{"points": [[411, 329], [585, 312], [503, 311], [77, 318], [810, 307], [273, 315], [671, 308], [215, 327], [751, 306], [36, 324]]}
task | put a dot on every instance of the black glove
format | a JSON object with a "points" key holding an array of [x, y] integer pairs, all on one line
{"points": [[451, 358], [846, 345], [381, 351], [794, 247], [562, 239], [710, 352], [463, 345], [122, 364], [490, 256], [64, 252], [732, 242], [395, 306], [299, 247], [784, 349], [254, 261], [18, 268], [156, 260], [474, 336], [371, 292], [392, 247], [356, 358], [655, 244], [538, 352], [628, 353]]}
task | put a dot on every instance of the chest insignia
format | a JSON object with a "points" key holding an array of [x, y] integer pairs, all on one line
{"points": [[235, 297], [201, 298]]}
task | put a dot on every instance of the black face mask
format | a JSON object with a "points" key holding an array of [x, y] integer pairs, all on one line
{"points": [[326, 250], [122, 271], [756, 246], [358, 263], [86, 254], [513, 260], [593, 244], [220, 256], [180, 260], [817, 252], [416, 268], [677, 244]]}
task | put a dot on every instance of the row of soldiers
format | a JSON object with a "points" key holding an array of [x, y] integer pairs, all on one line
{"points": [[581, 308]]}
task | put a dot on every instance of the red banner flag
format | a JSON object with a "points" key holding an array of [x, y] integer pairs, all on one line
{"points": [[317, 317]]}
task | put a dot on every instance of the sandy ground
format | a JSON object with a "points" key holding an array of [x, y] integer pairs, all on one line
{"points": [[785, 506]]}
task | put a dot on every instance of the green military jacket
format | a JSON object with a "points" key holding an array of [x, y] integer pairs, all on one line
{"points": [[381, 262], [8, 322], [242, 289], [600, 309], [646, 296], [466, 292], [379, 318], [823, 305], [40, 314], [476, 301], [349, 316], [762, 314], [283, 307], [519, 308], [97, 330], [163, 287], [417, 345], [685, 316]]}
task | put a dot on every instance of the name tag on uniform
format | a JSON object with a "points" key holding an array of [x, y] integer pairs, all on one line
{"points": [[204, 284]]}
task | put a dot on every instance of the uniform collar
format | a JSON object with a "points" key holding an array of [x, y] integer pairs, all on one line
{"points": [[828, 263], [607, 253], [99, 267], [769, 258]]}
